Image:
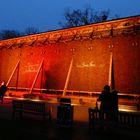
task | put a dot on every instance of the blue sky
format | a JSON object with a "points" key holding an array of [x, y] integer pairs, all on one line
{"points": [[45, 14]]}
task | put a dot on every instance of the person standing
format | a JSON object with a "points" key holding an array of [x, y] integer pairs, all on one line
{"points": [[104, 98], [3, 89], [114, 104], [104, 115]]}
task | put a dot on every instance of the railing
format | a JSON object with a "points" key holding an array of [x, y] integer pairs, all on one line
{"points": [[120, 119]]}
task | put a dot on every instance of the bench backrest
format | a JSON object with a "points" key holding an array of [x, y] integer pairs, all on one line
{"points": [[123, 118], [28, 105], [17, 104], [34, 106]]}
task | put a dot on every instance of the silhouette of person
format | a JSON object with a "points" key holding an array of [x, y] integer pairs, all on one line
{"points": [[114, 104], [104, 98], [3, 89]]}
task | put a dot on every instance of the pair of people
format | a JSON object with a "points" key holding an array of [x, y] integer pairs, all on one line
{"points": [[109, 103], [3, 89]]}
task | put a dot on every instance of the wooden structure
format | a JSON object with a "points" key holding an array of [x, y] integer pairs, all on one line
{"points": [[80, 59]]}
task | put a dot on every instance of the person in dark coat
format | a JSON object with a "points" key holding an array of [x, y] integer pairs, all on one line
{"points": [[3, 90], [105, 99], [114, 104]]}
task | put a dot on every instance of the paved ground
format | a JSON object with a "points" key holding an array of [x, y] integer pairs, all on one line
{"points": [[34, 128]]}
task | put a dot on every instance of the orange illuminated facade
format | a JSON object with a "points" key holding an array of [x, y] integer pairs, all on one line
{"points": [[79, 59]]}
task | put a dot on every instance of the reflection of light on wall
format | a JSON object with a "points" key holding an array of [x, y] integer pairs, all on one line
{"points": [[127, 108], [123, 109], [36, 100], [21, 98]]}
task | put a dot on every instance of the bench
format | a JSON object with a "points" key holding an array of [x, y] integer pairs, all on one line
{"points": [[122, 119], [22, 107]]}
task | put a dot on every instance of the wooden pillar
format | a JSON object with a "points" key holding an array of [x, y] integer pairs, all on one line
{"points": [[110, 70], [41, 64], [68, 77], [11, 76]]}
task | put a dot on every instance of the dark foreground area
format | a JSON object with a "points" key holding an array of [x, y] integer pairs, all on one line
{"points": [[27, 128], [33, 128]]}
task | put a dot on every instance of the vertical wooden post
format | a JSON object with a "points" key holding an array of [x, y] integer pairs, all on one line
{"points": [[68, 77], [110, 69], [41, 77], [36, 76], [12, 73], [112, 76], [17, 77]]}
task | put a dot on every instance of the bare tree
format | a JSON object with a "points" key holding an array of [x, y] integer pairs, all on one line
{"points": [[116, 16], [7, 34], [31, 30], [86, 16]]}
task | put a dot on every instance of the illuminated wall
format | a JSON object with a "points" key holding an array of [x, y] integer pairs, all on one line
{"points": [[90, 47]]}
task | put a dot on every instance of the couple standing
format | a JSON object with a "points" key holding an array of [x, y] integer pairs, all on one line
{"points": [[109, 102]]}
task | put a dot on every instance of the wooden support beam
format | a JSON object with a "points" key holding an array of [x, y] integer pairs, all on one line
{"points": [[110, 70], [68, 77], [40, 66], [11, 76]]}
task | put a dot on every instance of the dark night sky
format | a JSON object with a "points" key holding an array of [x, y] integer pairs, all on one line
{"points": [[45, 14]]}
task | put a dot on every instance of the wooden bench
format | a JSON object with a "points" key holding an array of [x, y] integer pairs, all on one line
{"points": [[123, 119], [22, 107]]}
